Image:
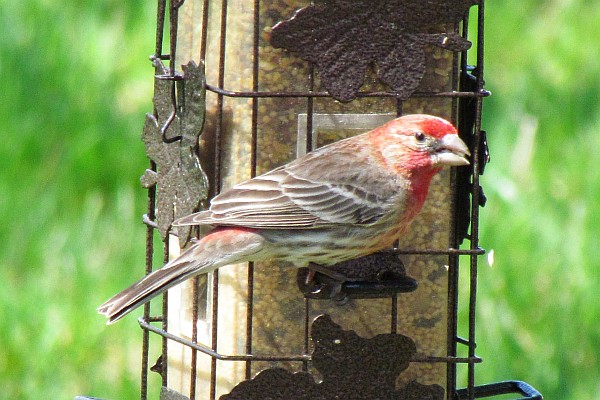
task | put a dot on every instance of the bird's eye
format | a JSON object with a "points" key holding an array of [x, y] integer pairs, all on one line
{"points": [[420, 137]]}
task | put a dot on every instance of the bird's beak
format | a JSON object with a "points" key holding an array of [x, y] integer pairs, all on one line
{"points": [[451, 151]]}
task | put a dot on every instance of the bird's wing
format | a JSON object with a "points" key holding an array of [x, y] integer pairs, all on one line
{"points": [[256, 203], [314, 191]]}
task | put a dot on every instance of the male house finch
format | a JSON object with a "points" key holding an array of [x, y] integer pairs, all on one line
{"points": [[345, 200]]}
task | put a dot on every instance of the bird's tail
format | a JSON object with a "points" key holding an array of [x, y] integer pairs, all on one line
{"points": [[220, 247]]}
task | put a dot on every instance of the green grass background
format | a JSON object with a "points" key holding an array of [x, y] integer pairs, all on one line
{"points": [[74, 86]]}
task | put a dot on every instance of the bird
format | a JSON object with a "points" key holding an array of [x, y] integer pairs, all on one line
{"points": [[345, 200]]}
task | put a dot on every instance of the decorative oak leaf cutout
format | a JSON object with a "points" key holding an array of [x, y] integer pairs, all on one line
{"points": [[343, 37], [352, 368], [181, 183]]}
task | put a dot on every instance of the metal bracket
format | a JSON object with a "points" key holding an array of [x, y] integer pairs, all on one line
{"points": [[467, 118], [373, 276], [501, 388]]}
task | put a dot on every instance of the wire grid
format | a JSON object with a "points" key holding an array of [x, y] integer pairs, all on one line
{"points": [[158, 324]]}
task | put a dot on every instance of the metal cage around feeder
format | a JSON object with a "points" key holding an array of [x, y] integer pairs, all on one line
{"points": [[260, 84]]}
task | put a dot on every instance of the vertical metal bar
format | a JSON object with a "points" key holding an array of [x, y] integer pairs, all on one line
{"points": [[160, 26], [310, 109], [394, 314], [309, 147], [399, 107], [149, 257], [255, 77], [214, 332], [253, 161], [452, 311], [165, 322], [195, 291], [306, 346], [194, 360], [459, 66], [174, 22], [173, 26], [457, 59], [218, 183], [453, 282], [151, 212], [475, 203], [452, 323], [249, 316], [220, 98], [204, 36]]}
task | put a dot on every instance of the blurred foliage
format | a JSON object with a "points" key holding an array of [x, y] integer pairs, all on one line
{"points": [[538, 306], [75, 86]]}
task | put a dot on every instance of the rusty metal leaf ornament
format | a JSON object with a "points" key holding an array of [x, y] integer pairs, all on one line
{"points": [[344, 37], [181, 182], [352, 367]]}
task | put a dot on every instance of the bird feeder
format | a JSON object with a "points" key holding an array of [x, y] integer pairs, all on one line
{"points": [[247, 86]]}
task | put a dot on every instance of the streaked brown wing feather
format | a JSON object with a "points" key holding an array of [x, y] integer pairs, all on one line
{"points": [[333, 202], [309, 192]]}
